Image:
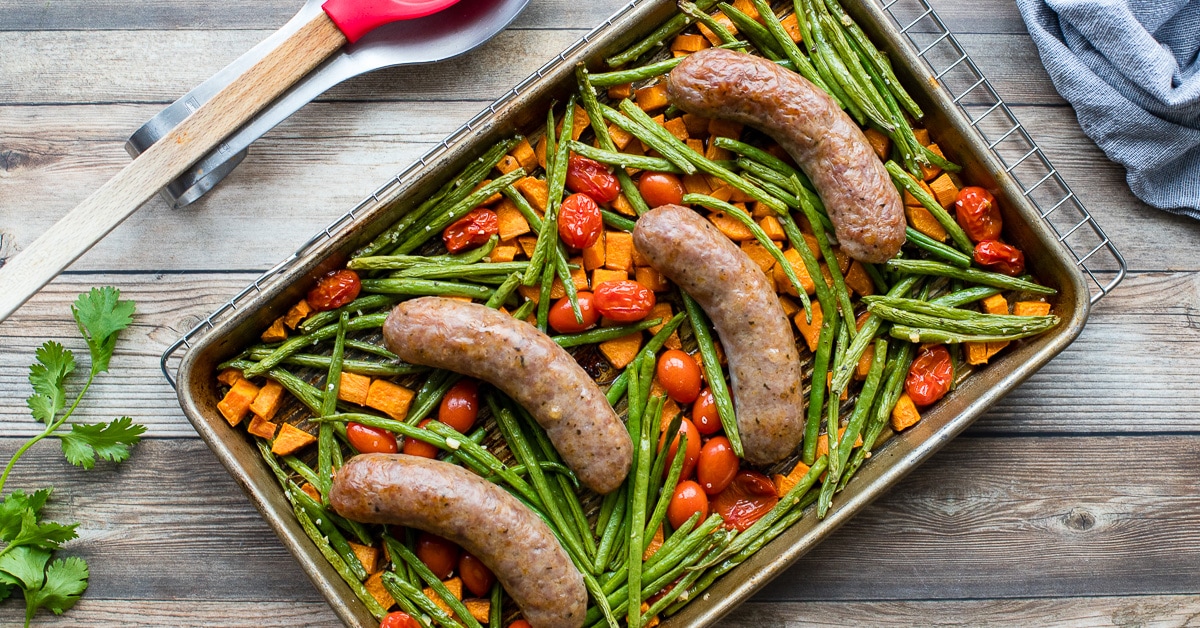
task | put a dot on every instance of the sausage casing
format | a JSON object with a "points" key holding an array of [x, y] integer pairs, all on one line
{"points": [[483, 518], [764, 365]]}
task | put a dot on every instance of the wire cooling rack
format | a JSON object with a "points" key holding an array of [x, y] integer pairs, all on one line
{"points": [[949, 63]]}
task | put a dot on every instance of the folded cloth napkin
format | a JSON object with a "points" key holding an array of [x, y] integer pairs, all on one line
{"points": [[1131, 68]]}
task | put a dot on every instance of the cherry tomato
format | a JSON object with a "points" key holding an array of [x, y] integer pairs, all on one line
{"points": [[690, 455], [688, 500], [579, 221], [680, 375], [704, 414], [399, 619], [472, 230], [439, 555], [717, 465], [414, 447], [460, 406], [929, 376], [660, 188], [977, 214], [1000, 257], [370, 440], [588, 176], [750, 496], [475, 575], [334, 290], [624, 301], [520, 623], [562, 317]]}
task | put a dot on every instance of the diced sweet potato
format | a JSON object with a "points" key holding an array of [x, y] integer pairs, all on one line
{"points": [[697, 126], [534, 293], [792, 28], [689, 43], [354, 388], [905, 414], [650, 278], [798, 267], [651, 98], [863, 368], [922, 220], [229, 377], [454, 585], [622, 206], [944, 190], [784, 483], [858, 280], [601, 275], [758, 254], [391, 399], [261, 427], [296, 314], [880, 143], [525, 155], [374, 586], [747, 7], [789, 306], [621, 351], [811, 332], [720, 191], [977, 353], [290, 440], [656, 542], [695, 184], [507, 164], [677, 128], [479, 609], [367, 555], [266, 402], [503, 253], [578, 275], [909, 199], [995, 304], [723, 20], [510, 220], [276, 332], [930, 172], [536, 191], [695, 144], [730, 226], [1031, 308], [579, 122], [527, 244], [620, 137], [593, 256], [236, 402], [618, 251], [716, 153], [843, 259], [724, 128], [922, 136], [770, 225], [620, 92], [311, 491]]}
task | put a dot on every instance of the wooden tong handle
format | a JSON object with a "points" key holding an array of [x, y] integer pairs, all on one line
{"points": [[23, 275]]}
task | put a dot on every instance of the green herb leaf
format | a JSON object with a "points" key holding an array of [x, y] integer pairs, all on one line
{"points": [[14, 507], [110, 441], [26, 565], [54, 363], [47, 535], [66, 579], [101, 315]]}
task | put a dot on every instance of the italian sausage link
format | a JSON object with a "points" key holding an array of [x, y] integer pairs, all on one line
{"points": [[763, 363], [483, 518], [863, 205], [527, 365]]}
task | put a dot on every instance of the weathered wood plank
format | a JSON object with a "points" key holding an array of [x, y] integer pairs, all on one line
{"points": [[96, 613]]}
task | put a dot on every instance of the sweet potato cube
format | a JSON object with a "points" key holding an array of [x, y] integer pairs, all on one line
{"points": [[266, 402], [792, 28], [843, 259], [995, 304], [311, 491], [695, 144], [276, 332], [602, 275], [758, 254], [747, 7], [656, 542], [618, 251], [720, 190], [770, 225], [677, 128], [723, 20], [236, 402], [789, 306], [977, 352], [905, 414], [697, 126], [922, 136], [944, 190], [354, 388], [880, 143], [622, 206], [909, 199], [620, 137], [290, 440], [930, 172], [503, 253], [724, 128], [798, 267], [730, 226], [262, 428], [1031, 308], [784, 483], [651, 278], [391, 399], [689, 43], [510, 220], [593, 256], [858, 280], [479, 609], [454, 585], [536, 191], [579, 123], [507, 164], [578, 275], [922, 220], [527, 244], [229, 377], [696, 184], [525, 155], [374, 586], [620, 92], [811, 332], [297, 313], [651, 98], [716, 153], [661, 310], [863, 368], [621, 351], [367, 555]]}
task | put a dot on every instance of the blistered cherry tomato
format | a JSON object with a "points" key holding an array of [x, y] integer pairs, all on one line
{"points": [[679, 374], [624, 301], [370, 440], [717, 465], [460, 406], [929, 376], [334, 290], [704, 414], [399, 619], [588, 176], [660, 188], [750, 496], [475, 575], [562, 317], [414, 447], [520, 623], [579, 221], [472, 230], [688, 500], [690, 455], [977, 213], [439, 555], [1000, 257]]}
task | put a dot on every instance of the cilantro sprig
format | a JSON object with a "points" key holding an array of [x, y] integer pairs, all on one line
{"points": [[25, 559]]}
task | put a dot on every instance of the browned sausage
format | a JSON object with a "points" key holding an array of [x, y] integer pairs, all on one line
{"points": [[527, 365], [483, 518], [756, 334], [863, 205]]}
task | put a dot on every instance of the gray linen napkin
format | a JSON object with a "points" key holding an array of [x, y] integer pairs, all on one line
{"points": [[1131, 68]]}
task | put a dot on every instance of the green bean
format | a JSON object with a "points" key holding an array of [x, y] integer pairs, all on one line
{"points": [[624, 160], [770, 175], [562, 267], [761, 236], [490, 461], [784, 196], [727, 39], [458, 210], [357, 307], [923, 335], [892, 388], [468, 272], [906, 140], [686, 581], [940, 161], [756, 33], [835, 272], [608, 538], [359, 367], [398, 587], [854, 427], [637, 522], [621, 77], [337, 541], [617, 221], [759, 156], [965, 296], [504, 291], [294, 344], [618, 386], [995, 280], [877, 59], [776, 31], [496, 609], [713, 373], [904, 180], [425, 287], [295, 494], [596, 117], [954, 314], [602, 334], [668, 490], [850, 59], [557, 152], [401, 262], [524, 311], [668, 28], [937, 249], [870, 327], [325, 443], [817, 389], [671, 152], [429, 396], [339, 565]]}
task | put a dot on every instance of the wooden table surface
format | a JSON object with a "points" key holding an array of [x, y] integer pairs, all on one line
{"points": [[1072, 502]]}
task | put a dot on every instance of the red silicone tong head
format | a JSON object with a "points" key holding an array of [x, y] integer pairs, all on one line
{"points": [[356, 18]]}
